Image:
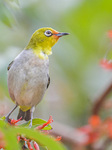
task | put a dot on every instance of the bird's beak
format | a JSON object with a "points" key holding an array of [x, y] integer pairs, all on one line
{"points": [[61, 34]]}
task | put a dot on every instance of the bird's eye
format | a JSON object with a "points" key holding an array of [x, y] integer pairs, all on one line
{"points": [[48, 33]]}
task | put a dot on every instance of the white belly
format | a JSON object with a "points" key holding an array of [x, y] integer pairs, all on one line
{"points": [[28, 78]]}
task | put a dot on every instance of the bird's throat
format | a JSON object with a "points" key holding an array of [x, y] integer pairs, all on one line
{"points": [[42, 54]]}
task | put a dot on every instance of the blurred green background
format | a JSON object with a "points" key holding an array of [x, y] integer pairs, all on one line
{"points": [[76, 76]]}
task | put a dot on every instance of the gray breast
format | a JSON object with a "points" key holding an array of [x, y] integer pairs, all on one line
{"points": [[28, 78]]}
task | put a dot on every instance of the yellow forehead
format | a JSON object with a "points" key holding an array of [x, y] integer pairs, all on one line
{"points": [[42, 30]]}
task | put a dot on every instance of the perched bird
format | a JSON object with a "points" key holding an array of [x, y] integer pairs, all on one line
{"points": [[28, 74]]}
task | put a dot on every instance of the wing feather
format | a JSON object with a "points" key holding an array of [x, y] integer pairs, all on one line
{"points": [[48, 81], [9, 66]]}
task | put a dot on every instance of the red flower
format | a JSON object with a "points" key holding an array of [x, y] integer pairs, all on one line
{"points": [[94, 121], [18, 138], [13, 121], [110, 33], [29, 146], [92, 135], [45, 124], [106, 64], [36, 146], [92, 130], [58, 138]]}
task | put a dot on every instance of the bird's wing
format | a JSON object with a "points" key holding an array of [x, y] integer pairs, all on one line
{"points": [[48, 81], [9, 66]]}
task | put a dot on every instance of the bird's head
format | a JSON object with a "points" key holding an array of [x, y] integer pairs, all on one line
{"points": [[43, 39]]}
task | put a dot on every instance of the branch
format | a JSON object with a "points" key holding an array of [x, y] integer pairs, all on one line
{"points": [[99, 101]]}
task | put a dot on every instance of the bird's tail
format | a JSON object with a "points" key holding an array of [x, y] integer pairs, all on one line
{"points": [[25, 115]]}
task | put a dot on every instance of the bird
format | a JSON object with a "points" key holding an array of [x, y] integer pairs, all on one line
{"points": [[28, 73]]}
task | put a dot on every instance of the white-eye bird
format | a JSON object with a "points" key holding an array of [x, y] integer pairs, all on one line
{"points": [[28, 74]]}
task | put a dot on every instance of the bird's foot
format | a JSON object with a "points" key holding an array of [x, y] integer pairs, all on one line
{"points": [[7, 116], [7, 119], [30, 125]]}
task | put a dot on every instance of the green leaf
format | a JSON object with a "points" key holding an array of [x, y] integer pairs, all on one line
{"points": [[2, 123], [43, 148], [40, 138], [11, 139], [37, 122], [3, 118], [10, 136]]}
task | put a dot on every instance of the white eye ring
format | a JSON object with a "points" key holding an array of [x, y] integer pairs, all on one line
{"points": [[48, 33]]}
